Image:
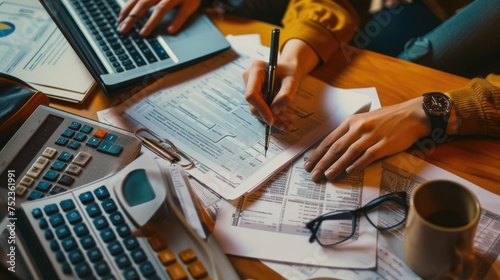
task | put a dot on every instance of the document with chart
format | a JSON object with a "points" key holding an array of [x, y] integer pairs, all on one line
{"points": [[202, 110]]}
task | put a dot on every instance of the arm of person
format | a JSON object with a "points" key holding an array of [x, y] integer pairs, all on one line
{"points": [[312, 32], [136, 9], [364, 138]]}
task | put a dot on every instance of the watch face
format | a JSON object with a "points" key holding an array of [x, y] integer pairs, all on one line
{"points": [[437, 104]]}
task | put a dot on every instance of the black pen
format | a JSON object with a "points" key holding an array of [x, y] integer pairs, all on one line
{"points": [[273, 61]]}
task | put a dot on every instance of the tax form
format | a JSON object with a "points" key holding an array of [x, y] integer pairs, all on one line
{"points": [[34, 50], [202, 110]]}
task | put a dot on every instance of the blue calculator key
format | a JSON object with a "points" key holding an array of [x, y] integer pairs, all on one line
{"points": [[66, 268], [49, 235], [74, 145], [93, 142], [75, 256], [102, 268], [87, 242], [80, 137], [35, 195], [43, 186], [56, 220], [81, 229], [115, 150], [107, 235], [94, 255], [138, 255], [63, 232], [115, 248], [75, 125], [86, 197], [122, 261], [86, 129], [43, 224], [68, 133], [116, 218], [60, 257], [73, 217], [104, 147], [57, 189], [130, 274], [109, 205], [65, 157], [69, 243], [101, 192], [93, 210], [50, 209], [58, 165], [62, 141], [37, 213], [110, 137], [147, 269], [51, 175], [67, 205], [83, 270], [123, 230], [54, 246], [131, 243], [100, 223]]}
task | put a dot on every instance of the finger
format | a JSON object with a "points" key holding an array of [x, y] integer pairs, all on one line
{"points": [[137, 12], [285, 95], [324, 146], [353, 152], [125, 11], [370, 155], [254, 78], [184, 12]]}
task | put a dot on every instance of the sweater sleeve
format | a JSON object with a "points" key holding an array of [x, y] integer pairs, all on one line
{"points": [[323, 24], [478, 106]]}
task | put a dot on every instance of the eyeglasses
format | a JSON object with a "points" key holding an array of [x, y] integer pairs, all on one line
{"points": [[336, 227]]}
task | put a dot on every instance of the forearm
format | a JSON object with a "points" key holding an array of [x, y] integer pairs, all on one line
{"points": [[300, 56]]}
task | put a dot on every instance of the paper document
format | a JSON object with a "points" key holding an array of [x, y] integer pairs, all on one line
{"points": [[403, 172], [202, 110], [33, 49], [269, 224]]}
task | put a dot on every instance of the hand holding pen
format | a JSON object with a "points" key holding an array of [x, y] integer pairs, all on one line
{"points": [[271, 77]]}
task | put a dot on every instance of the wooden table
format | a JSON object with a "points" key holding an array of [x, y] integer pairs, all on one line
{"points": [[474, 159]]}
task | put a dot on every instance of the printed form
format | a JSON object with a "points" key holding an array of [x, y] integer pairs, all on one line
{"points": [[202, 110], [34, 50], [403, 172]]}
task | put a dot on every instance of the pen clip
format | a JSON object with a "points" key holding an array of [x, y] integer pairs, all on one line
{"points": [[163, 148]]}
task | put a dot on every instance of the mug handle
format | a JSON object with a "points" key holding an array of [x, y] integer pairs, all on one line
{"points": [[464, 265]]}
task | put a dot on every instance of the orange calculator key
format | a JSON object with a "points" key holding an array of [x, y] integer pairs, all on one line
{"points": [[166, 256], [197, 270], [187, 256], [157, 243], [176, 271], [100, 133]]}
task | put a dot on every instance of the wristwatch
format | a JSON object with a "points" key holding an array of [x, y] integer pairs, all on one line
{"points": [[437, 107]]}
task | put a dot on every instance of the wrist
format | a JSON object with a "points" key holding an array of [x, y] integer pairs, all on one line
{"points": [[300, 56], [453, 122]]}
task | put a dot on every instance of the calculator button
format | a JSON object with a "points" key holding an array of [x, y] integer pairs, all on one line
{"points": [[57, 189], [20, 190], [27, 181], [66, 180], [93, 142], [50, 209], [73, 217], [100, 223], [147, 269], [54, 246], [37, 213], [43, 224], [83, 270], [69, 244], [115, 248], [80, 137], [166, 256], [49, 152], [50, 175], [66, 268], [94, 255], [56, 220], [111, 138], [86, 197], [86, 129], [65, 156], [157, 243], [80, 229], [73, 169], [187, 256], [176, 271], [35, 195], [131, 243], [130, 273], [68, 133], [122, 261], [49, 235], [63, 232], [75, 125], [100, 133], [109, 205], [60, 256], [82, 159], [74, 145], [101, 193], [75, 256], [138, 256], [67, 205], [93, 210], [108, 235], [58, 165], [34, 172], [43, 186], [102, 268], [123, 230], [62, 141], [41, 162]]}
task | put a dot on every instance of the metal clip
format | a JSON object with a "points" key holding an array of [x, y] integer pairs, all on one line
{"points": [[163, 148]]}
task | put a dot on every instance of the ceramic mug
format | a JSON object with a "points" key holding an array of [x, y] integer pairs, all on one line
{"points": [[439, 236]]}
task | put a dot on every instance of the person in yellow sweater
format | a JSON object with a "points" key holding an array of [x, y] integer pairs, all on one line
{"points": [[312, 31]]}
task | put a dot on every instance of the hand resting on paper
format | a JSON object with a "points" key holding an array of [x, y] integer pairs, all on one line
{"points": [[136, 9]]}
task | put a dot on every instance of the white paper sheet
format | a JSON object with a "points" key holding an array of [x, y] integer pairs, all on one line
{"points": [[33, 49], [203, 112]]}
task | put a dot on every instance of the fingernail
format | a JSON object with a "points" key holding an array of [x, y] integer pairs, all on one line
{"points": [[330, 173], [351, 169], [308, 166], [316, 176]]}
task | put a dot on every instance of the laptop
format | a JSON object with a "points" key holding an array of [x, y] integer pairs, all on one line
{"points": [[119, 63]]}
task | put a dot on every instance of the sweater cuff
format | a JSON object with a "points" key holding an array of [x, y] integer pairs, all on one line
{"points": [[476, 108]]}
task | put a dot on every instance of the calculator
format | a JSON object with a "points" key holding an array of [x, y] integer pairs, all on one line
{"points": [[125, 226], [55, 151]]}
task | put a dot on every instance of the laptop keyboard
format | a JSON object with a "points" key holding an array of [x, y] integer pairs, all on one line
{"points": [[122, 52]]}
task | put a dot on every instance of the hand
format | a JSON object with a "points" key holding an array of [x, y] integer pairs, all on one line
{"points": [[136, 9], [297, 59], [364, 138]]}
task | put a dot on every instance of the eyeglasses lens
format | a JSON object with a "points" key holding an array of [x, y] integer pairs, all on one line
{"points": [[390, 215]]}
